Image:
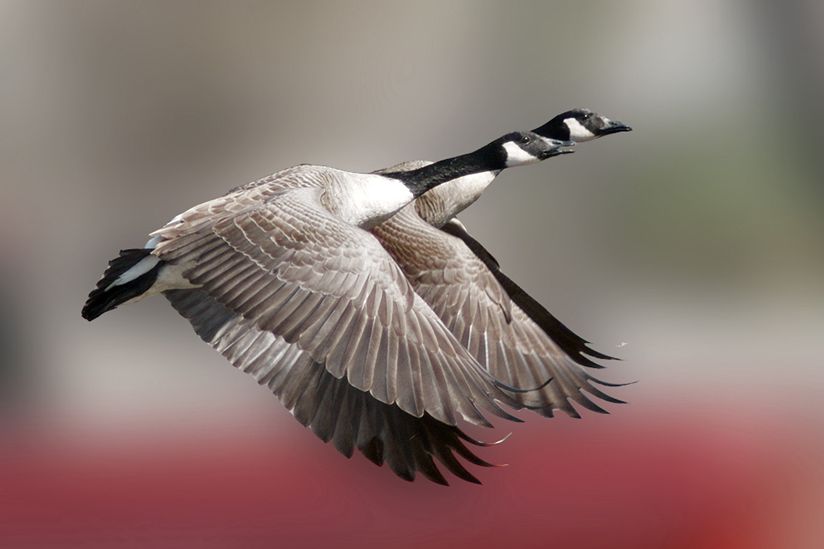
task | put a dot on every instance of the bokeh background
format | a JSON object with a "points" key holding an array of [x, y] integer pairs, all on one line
{"points": [[692, 248]]}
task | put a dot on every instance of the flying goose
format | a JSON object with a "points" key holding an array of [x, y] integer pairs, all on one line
{"points": [[282, 279], [504, 328], [383, 430]]}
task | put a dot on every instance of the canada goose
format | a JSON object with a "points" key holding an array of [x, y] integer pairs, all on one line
{"points": [[280, 277], [384, 431], [503, 327]]}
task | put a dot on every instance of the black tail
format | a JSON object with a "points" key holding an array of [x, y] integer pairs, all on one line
{"points": [[104, 299]]}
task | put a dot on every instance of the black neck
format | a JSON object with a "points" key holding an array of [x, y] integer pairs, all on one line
{"points": [[555, 128], [491, 157]]}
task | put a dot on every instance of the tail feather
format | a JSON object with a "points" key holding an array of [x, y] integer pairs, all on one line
{"points": [[118, 285]]}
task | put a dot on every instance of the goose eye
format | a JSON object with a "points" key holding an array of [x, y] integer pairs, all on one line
{"points": [[525, 139]]}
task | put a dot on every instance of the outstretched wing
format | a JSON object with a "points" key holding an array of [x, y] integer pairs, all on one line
{"points": [[487, 316], [330, 407], [333, 296]]}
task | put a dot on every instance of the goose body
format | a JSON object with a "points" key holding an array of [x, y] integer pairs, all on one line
{"points": [[282, 278]]}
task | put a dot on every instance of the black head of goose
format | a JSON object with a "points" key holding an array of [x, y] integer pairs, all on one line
{"points": [[580, 125]]}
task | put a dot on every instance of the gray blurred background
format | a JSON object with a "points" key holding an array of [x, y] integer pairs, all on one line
{"points": [[691, 247]]}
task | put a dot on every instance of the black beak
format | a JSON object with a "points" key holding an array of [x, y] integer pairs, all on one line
{"points": [[614, 127], [561, 147]]}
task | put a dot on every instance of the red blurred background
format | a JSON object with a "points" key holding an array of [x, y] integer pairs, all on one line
{"points": [[626, 482]]}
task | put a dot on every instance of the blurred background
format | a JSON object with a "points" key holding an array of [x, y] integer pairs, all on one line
{"points": [[691, 247]]}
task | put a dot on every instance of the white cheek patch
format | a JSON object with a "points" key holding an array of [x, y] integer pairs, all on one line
{"points": [[516, 156], [577, 132]]}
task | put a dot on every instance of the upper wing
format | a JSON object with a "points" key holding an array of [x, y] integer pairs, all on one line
{"points": [[465, 293], [329, 290], [330, 407]]}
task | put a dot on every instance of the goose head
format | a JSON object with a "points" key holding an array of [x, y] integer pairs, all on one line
{"points": [[521, 148], [580, 125]]}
